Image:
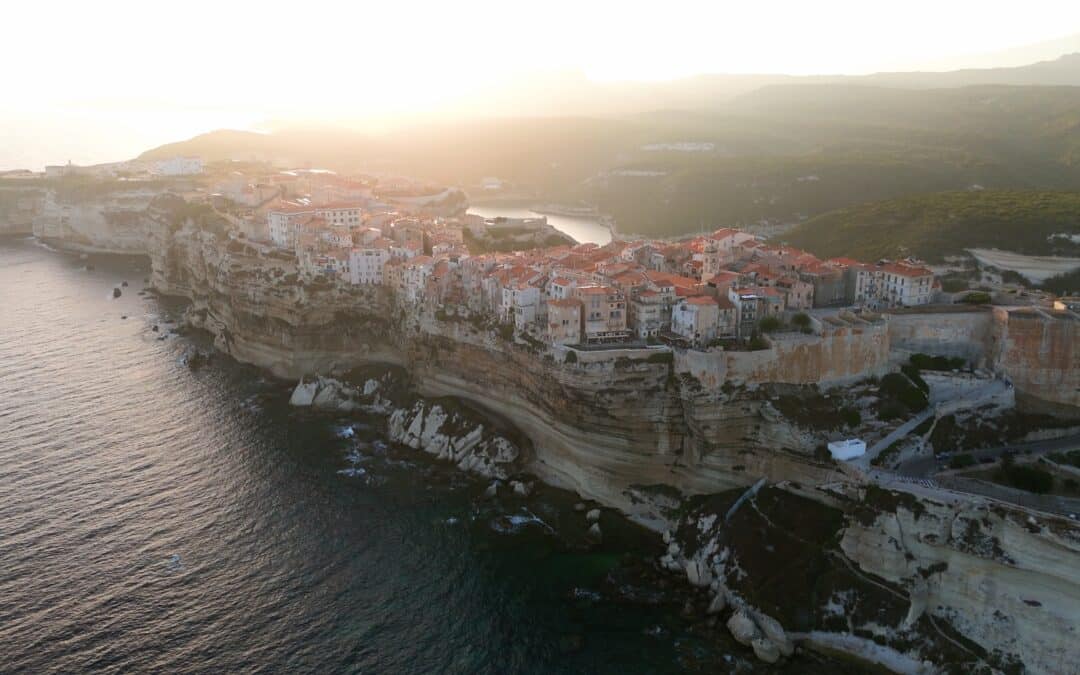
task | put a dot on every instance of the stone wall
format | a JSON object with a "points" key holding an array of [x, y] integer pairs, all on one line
{"points": [[837, 356], [950, 331], [1039, 351]]}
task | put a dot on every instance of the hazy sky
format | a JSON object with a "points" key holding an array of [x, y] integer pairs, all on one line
{"points": [[199, 64]]}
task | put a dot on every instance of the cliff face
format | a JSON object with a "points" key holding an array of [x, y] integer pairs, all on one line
{"points": [[18, 206], [980, 588], [622, 430], [113, 221], [999, 577]]}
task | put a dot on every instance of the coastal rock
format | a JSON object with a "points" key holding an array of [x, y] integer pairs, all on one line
{"points": [[451, 437], [304, 394], [775, 633], [698, 573], [520, 489], [594, 532], [593, 516], [742, 628], [324, 393], [765, 650], [717, 604]]}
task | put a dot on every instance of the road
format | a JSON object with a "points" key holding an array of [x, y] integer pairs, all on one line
{"points": [[924, 466]]}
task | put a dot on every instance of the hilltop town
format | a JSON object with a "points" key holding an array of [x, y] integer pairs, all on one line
{"points": [[721, 290]]}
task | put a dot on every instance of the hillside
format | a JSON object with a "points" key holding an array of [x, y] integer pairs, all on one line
{"points": [[783, 153], [936, 225]]}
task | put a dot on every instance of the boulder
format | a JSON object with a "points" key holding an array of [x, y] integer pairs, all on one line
{"points": [[593, 516], [775, 633], [304, 394], [520, 489], [698, 573], [717, 604], [765, 650], [743, 628], [594, 532], [669, 563], [579, 507], [492, 490]]}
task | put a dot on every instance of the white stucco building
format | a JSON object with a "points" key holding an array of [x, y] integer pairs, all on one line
{"points": [[366, 265]]}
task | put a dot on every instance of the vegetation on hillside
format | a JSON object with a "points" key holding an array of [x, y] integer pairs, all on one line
{"points": [[781, 153], [933, 226]]}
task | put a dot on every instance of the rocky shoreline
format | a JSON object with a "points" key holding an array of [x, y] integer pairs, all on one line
{"points": [[784, 568]]}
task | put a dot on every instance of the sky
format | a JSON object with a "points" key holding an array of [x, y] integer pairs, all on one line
{"points": [[152, 69]]}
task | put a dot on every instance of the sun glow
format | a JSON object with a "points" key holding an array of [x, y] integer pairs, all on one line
{"points": [[203, 64]]}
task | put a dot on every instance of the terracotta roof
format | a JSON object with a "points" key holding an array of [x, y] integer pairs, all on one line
{"points": [[568, 302], [701, 300]]}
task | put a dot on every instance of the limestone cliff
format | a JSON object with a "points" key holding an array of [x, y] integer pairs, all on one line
{"points": [[613, 427], [980, 587], [999, 577]]}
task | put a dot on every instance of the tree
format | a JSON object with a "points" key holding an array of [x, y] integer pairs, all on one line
{"points": [[770, 324], [571, 356], [801, 321]]}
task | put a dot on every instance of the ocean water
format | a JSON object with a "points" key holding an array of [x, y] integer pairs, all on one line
{"points": [[159, 519]]}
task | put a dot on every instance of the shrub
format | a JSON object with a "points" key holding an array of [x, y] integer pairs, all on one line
{"points": [[954, 285], [571, 357], [801, 320], [770, 324], [893, 384], [962, 461], [891, 410], [506, 331], [661, 357], [976, 298], [757, 343], [914, 399], [1025, 477], [913, 374], [851, 417]]}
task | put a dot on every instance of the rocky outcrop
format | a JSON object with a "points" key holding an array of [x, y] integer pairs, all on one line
{"points": [[452, 437], [977, 586], [999, 576], [325, 393]]}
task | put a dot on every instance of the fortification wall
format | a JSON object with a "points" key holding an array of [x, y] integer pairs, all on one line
{"points": [[841, 355], [963, 332], [1039, 351]]}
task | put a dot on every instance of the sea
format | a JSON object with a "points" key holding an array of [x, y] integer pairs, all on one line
{"points": [[156, 518]]}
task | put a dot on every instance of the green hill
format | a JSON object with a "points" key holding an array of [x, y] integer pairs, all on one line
{"points": [[782, 153], [933, 226]]}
